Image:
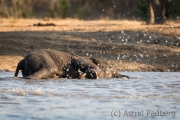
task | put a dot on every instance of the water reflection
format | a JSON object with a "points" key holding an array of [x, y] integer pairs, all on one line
{"points": [[90, 99]]}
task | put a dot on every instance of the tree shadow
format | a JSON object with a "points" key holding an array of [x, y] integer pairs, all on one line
{"points": [[123, 46]]}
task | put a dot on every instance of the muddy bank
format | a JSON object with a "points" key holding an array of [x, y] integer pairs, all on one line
{"points": [[129, 45]]}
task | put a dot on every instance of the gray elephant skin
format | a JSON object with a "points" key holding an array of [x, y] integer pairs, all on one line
{"points": [[48, 63]]}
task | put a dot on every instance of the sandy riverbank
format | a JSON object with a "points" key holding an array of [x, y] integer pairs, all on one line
{"points": [[131, 45]]}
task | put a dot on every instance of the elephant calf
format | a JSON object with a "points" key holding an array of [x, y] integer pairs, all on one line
{"points": [[47, 63]]}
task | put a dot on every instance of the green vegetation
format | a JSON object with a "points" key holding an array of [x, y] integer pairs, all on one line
{"points": [[60, 9], [142, 5], [16, 8], [174, 9], [85, 11], [81, 9]]}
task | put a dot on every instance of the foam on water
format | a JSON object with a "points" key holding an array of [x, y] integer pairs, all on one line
{"points": [[90, 99]]}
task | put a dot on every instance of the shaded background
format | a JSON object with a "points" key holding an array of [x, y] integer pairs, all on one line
{"points": [[80, 9]]}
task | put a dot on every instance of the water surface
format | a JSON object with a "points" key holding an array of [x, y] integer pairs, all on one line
{"points": [[147, 95]]}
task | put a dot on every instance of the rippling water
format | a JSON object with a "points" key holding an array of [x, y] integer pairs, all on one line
{"points": [[147, 95]]}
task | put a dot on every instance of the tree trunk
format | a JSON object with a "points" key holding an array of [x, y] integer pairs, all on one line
{"points": [[150, 13], [155, 12], [165, 5]]}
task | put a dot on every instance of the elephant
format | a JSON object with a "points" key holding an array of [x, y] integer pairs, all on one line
{"points": [[49, 63], [158, 11]]}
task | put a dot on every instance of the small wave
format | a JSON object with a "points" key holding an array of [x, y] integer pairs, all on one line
{"points": [[24, 92], [157, 96]]}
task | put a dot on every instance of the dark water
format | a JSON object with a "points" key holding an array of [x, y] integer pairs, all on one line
{"points": [[147, 95]]}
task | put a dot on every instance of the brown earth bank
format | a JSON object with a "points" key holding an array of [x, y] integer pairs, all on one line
{"points": [[129, 45]]}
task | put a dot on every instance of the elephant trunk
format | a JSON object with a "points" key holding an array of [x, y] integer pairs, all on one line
{"points": [[19, 67]]}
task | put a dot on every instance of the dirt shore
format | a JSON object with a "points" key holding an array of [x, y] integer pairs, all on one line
{"points": [[130, 45]]}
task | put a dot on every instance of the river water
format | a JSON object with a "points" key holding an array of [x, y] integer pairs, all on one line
{"points": [[147, 95]]}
